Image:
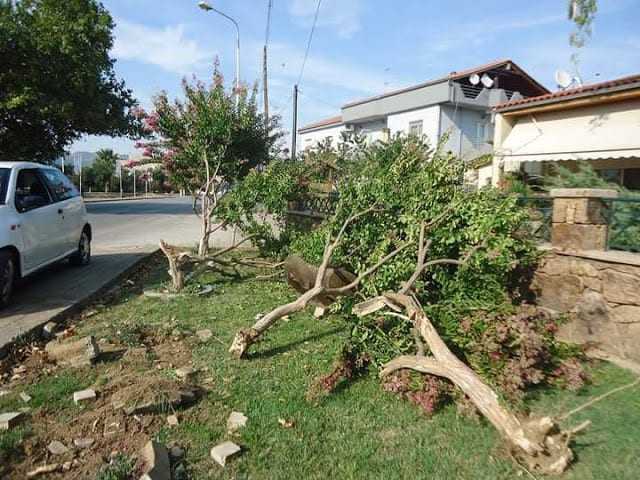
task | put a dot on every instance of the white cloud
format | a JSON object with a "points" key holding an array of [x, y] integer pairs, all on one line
{"points": [[342, 16], [167, 47]]}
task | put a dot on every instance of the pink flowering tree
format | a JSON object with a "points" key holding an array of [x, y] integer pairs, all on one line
{"points": [[207, 143]]}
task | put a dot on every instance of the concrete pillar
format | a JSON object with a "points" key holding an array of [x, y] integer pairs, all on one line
{"points": [[579, 218]]}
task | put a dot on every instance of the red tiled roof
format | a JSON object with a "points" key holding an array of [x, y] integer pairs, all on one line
{"points": [[452, 76], [564, 95], [322, 123]]}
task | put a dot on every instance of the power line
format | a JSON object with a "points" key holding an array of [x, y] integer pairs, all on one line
{"points": [[306, 53]]}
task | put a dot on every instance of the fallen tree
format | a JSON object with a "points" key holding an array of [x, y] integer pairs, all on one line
{"points": [[465, 299]]}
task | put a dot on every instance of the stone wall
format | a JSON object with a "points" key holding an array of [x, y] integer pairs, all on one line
{"points": [[601, 292]]}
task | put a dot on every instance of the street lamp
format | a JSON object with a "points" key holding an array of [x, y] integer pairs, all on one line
{"points": [[208, 8]]}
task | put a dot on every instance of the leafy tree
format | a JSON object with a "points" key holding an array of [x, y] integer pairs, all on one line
{"points": [[57, 80], [208, 143], [104, 168]]}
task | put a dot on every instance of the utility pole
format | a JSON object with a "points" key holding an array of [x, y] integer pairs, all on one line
{"points": [[266, 87], [294, 132]]}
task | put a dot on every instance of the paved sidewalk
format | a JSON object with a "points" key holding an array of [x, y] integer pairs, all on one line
{"points": [[58, 289]]}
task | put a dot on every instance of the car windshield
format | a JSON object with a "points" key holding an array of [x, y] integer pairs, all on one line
{"points": [[4, 184]]}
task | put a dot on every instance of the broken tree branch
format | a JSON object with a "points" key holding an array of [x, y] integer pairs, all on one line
{"points": [[245, 338]]}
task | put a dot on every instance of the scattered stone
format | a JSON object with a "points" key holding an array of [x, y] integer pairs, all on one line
{"points": [[204, 335], [10, 420], [43, 469], [156, 462], [19, 370], [236, 421], [4, 392], [319, 312], [111, 429], [49, 330], [84, 396], [286, 423], [173, 421], [66, 466], [185, 373], [206, 290], [24, 397], [225, 450], [73, 353], [83, 443], [176, 452], [57, 448]]}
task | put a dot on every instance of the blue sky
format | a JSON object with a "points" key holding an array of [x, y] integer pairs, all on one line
{"points": [[360, 47]]}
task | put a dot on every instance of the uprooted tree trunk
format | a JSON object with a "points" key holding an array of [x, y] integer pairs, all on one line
{"points": [[321, 289], [537, 443], [178, 259]]}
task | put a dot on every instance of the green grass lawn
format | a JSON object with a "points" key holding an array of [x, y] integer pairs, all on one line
{"points": [[359, 431]]}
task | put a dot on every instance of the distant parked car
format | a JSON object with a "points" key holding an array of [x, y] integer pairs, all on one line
{"points": [[42, 220]]}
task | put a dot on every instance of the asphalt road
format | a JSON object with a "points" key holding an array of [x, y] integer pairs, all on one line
{"points": [[123, 233], [141, 224]]}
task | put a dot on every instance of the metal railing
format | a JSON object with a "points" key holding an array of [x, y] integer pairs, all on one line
{"points": [[316, 204], [623, 216], [540, 216]]}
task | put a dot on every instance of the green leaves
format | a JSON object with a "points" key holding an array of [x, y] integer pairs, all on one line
{"points": [[57, 80]]}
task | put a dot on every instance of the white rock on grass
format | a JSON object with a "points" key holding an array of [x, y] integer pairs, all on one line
{"points": [[185, 373], [10, 420], [57, 448], [236, 421], [204, 335], [173, 421], [24, 397], [83, 443], [84, 396], [224, 451]]}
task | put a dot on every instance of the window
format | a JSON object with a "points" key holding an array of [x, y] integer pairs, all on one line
{"points": [[613, 175], [31, 192], [59, 184], [415, 128], [482, 134], [632, 178], [5, 173]]}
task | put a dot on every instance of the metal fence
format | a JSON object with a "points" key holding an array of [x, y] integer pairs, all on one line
{"points": [[317, 204], [623, 215], [540, 215]]}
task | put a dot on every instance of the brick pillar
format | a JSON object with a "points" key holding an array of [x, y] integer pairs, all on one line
{"points": [[579, 218]]}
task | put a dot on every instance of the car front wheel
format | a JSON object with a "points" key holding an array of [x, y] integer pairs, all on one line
{"points": [[7, 277], [83, 254]]}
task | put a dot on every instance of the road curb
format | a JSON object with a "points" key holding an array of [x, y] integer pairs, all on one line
{"points": [[126, 199], [34, 333]]}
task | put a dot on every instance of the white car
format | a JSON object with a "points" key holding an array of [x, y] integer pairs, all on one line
{"points": [[42, 220]]}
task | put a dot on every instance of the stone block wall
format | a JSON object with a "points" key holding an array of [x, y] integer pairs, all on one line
{"points": [[601, 293]]}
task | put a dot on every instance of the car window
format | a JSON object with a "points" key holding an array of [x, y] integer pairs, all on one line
{"points": [[5, 173], [59, 184], [31, 192]]}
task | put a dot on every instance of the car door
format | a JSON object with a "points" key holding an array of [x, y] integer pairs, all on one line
{"points": [[40, 222], [70, 206]]}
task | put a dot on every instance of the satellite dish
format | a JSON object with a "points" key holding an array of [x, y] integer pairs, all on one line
{"points": [[486, 80], [474, 79], [563, 78]]}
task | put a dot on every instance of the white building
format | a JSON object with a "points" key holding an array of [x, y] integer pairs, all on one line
{"points": [[458, 104], [597, 123]]}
